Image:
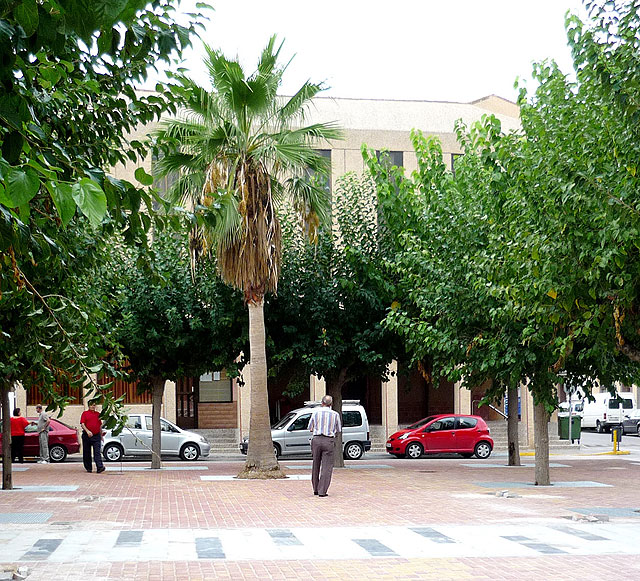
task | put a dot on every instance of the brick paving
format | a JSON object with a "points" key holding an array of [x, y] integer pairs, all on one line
{"points": [[449, 496]]}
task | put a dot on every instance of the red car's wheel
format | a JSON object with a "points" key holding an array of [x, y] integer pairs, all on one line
{"points": [[414, 450], [57, 453], [483, 450]]}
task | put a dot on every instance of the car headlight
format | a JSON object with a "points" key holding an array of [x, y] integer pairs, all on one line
{"points": [[404, 436], [203, 439]]}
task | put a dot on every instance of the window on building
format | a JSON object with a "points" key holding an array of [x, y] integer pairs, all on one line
{"points": [[454, 156], [162, 184], [326, 181], [390, 158], [215, 388]]}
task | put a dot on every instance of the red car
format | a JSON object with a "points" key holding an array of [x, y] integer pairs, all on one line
{"points": [[443, 433], [63, 440]]}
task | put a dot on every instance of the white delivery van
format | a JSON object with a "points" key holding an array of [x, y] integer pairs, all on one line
{"points": [[607, 410], [577, 408]]}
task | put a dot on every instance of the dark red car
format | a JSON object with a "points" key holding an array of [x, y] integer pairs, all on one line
{"points": [[443, 433], [63, 440]]}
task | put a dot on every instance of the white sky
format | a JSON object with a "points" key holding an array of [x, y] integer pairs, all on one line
{"points": [[434, 50]]}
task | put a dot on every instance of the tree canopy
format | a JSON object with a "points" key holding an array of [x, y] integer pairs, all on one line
{"points": [[67, 102], [521, 264]]}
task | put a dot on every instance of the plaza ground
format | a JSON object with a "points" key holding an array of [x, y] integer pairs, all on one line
{"points": [[433, 518]]}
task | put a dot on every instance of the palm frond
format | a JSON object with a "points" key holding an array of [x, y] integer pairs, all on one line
{"points": [[296, 107], [310, 201]]}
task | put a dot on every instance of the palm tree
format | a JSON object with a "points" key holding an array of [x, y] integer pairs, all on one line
{"points": [[241, 151]]}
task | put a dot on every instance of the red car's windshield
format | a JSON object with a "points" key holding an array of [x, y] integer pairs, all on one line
{"points": [[421, 423]]}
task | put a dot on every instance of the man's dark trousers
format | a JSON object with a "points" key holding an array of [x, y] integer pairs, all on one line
{"points": [[322, 448], [91, 443]]}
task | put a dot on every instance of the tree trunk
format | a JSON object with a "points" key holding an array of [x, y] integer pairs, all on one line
{"points": [[512, 427], [261, 461], [7, 476], [156, 442], [541, 437], [334, 389]]}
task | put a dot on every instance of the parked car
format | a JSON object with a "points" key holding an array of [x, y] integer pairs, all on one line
{"points": [[607, 410], [291, 434], [631, 423], [135, 440], [63, 440], [443, 433]]}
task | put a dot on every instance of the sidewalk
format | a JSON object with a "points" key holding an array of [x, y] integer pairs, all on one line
{"points": [[434, 518]]}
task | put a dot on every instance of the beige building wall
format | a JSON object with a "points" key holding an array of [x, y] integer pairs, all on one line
{"points": [[462, 399], [380, 124]]}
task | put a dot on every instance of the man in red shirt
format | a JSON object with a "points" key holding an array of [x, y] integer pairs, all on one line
{"points": [[91, 438], [18, 424]]}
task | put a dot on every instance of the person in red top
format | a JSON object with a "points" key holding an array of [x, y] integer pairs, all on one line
{"points": [[18, 424], [91, 438]]}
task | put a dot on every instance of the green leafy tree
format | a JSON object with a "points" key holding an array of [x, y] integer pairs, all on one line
{"points": [[168, 326], [239, 150], [66, 104], [327, 317], [527, 255]]}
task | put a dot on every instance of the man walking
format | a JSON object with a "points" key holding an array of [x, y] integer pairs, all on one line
{"points": [[91, 438], [324, 425], [43, 434]]}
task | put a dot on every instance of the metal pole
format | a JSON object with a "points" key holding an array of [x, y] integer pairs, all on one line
{"points": [[570, 426]]}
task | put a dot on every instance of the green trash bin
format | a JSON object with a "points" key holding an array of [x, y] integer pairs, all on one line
{"points": [[563, 427], [576, 427]]}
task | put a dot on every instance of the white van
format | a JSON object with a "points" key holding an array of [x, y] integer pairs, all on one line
{"points": [[577, 408], [291, 434], [607, 410]]}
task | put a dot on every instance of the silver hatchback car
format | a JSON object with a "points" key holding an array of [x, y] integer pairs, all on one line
{"points": [[135, 440]]}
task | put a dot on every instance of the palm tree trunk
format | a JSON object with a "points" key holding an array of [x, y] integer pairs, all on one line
{"points": [[541, 437], [7, 477], [261, 461], [512, 427], [156, 442]]}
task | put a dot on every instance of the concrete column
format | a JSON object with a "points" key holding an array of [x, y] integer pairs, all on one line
{"points": [[244, 401], [86, 390], [169, 409], [317, 388], [20, 394], [461, 398], [526, 415], [390, 401]]}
